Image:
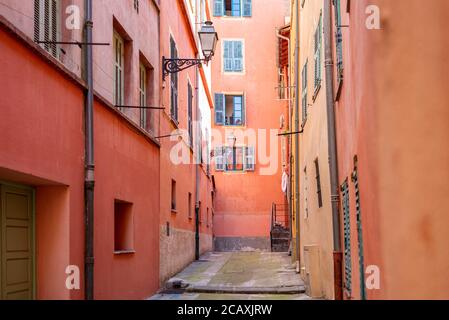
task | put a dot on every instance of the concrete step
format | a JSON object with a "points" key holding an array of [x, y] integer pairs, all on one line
{"points": [[246, 290]]}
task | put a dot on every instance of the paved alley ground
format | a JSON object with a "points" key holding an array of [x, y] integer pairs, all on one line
{"points": [[236, 275]]}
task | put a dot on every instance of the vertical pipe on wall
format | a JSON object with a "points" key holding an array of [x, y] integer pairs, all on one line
{"points": [[298, 252], [89, 181], [198, 144], [332, 146]]}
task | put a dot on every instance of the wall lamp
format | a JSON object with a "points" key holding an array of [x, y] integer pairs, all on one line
{"points": [[208, 40]]}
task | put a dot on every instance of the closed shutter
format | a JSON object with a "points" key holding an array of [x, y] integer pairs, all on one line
{"points": [[143, 96], [46, 24], [219, 159], [218, 8], [228, 56], [347, 236], [238, 56], [173, 83], [355, 180], [247, 8], [37, 20], [304, 92], [318, 54], [338, 40], [250, 159], [219, 108]]}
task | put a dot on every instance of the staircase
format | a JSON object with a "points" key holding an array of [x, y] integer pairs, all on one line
{"points": [[280, 230]]}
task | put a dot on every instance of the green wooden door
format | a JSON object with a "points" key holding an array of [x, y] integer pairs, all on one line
{"points": [[16, 243]]}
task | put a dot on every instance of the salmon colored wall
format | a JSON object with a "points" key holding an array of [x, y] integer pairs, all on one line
{"points": [[52, 241], [356, 123], [413, 126], [126, 170], [42, 142], [243, 208], [398, 128], [178, 249]]}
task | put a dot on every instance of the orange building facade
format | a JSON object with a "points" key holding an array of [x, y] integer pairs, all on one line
{"points": [[246, 121]]}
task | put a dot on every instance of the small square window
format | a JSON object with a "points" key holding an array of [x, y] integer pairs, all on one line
{"points": [[123, 227]]}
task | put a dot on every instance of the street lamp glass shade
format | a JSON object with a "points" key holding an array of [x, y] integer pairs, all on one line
{"points": [[208, 39]]}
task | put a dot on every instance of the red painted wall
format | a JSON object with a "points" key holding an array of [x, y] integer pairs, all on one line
{"points": [[42, 145]]}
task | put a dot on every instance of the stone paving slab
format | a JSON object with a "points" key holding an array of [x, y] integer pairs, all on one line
{"points": [[247, 274]]}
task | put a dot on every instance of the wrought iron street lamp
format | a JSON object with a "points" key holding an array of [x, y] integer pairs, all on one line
{"points": [[208, 40]]}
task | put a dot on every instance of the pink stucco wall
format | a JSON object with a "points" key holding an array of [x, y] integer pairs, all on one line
{"points": [[243, 206]]}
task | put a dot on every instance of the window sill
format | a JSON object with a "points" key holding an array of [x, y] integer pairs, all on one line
{"points": [[124, 252], [234, 73], [174, 211]]}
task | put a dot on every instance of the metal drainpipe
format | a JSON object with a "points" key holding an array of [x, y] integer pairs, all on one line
{"points": [[332, 145], [89, 181], [297, 136], [289, 188], [198, 148]]}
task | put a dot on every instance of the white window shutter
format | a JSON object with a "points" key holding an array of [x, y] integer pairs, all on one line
{"points": [[219, 108]]}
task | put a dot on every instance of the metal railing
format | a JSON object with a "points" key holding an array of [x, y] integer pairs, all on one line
{"points": [[279, 215]]}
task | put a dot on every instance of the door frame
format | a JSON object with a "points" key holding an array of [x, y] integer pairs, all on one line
{"points": [[4, 183]]}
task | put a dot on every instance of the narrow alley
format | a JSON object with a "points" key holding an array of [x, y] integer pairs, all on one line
{"points": [[164, 150], [236, 276]]}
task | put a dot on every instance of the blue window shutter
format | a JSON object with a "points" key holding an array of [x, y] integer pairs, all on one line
{"points": [[219, 108], [247, 8], [228, 56], [218, 8], [238, 56]]}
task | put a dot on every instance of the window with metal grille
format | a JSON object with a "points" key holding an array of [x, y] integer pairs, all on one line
{"points": [[119, 70], [173, 84], [143, 96], [190, 113], [233, 56], [355, 180], [136, 5], [231, 159], [304, 92], [347, 236], [318, 184], [46, 24], [318, 53], [338, 45]]}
